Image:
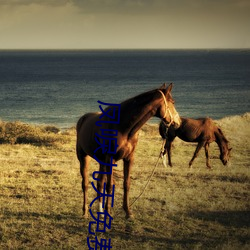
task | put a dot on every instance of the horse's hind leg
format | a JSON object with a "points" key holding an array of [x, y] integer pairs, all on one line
{"points": [[169, 147], [196, 152], [207, 155], [109, 189], [84, 170]]}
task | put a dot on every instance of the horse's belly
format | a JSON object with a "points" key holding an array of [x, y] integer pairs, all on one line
{"points": [[124, 152], [88, 134], [188, 139]]}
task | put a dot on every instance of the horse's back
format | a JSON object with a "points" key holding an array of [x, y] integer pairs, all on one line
{"points": [[209, 125], [195, 130], [205, 122]]}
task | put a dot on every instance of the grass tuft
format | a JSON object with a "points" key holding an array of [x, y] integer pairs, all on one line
{"points": [[21, 133]]}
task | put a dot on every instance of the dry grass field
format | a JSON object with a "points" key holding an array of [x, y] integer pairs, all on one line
{"points": [[182, 208]]}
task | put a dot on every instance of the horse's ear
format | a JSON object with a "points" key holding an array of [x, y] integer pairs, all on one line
{"points": [[169, 88], [163, 86]]}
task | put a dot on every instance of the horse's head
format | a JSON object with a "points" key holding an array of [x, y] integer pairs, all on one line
{"points": [[225, 155], [167, 111], [223, 144]]}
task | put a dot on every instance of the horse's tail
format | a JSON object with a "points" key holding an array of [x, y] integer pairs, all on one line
{"points": [[79, 124], [79, 150], [163, 130], [82, 119]]}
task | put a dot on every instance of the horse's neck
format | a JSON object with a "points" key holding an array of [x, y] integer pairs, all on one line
{"points": [[136, 114], [138, 123]]}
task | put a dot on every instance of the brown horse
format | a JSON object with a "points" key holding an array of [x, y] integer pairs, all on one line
{"points": [[134, 113], [203, 131]]}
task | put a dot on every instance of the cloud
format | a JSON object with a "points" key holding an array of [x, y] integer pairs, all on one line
{"points": [[153, 5], [40, 26], [16, 3], [124, 23], [139, 7]]}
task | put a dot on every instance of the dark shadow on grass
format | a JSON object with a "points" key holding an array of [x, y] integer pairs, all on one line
{"points": [[236, 219], [125, 230], [132, 235], [223, 178], [134, 232]]}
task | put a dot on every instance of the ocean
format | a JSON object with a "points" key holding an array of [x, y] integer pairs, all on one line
{"points": [[57, 87]]}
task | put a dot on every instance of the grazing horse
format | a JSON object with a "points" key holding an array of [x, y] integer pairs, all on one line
{"points": [[203, 131], [134, 113]]}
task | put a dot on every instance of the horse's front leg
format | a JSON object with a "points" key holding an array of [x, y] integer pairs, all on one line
{"points": [[109, 189], [100, 186], [197, 150], [207, 155], [169, 147], [126, 185], [163, 152]]}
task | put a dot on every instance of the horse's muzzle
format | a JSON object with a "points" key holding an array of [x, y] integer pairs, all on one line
{"points": [[177, 123]]}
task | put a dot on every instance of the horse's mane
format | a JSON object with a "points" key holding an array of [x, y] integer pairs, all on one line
{"points": [[139, 99], [144, 97]]}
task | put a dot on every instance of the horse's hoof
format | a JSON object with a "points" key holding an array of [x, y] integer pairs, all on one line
{"points": [[130, 216], [85, 215]]}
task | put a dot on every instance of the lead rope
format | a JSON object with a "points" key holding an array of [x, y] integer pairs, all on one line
{"points": [[160, 155], [161, 152], [150, 177]]}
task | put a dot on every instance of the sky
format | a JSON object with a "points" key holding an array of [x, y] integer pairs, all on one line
{"points": [[124, 24]]}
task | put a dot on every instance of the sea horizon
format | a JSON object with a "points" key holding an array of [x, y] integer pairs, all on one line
{"points": [[59, 86]]}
